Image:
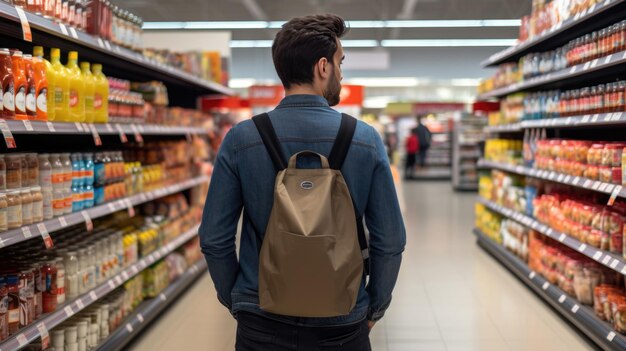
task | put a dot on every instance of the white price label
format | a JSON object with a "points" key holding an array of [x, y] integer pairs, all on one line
{"points": [[93, 295], [111, 206], [125, 275], [607, 117], [129, 327], [107, 45], [123, 137], [79, 127], [573, 69], [28, 126], [88, 221], [131, 209], [586, 118], [101, 43], [63, 29], [623, 270], [21, 340], [532, 275], [27, 35], [596, 185], [562, 298], [614, 195], [109, 128], [610, 188], [560, 178], [594, 63], [96, 136], [45, 235], [575, 308], [582, 247], [587, 183], [597, 255], [45, 336], [162, 297], [135, 270], [611, 336], [118, 280], [567, 179], [603, 186], [73, 33], [63, 221], [68, 311], [26, 232], [606, 260], [614, 263], [51, 127], [140, 318], [80, 304], [549, 232], [8, 135], [111, 284], [586, 66], [608, 59], [545, 286]]}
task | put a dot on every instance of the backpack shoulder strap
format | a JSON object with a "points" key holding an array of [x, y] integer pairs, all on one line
{"points": [[342, 142], [336, 159], [270, 140]]}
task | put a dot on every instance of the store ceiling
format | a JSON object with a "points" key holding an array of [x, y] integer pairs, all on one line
{"points": [[276, 10]]}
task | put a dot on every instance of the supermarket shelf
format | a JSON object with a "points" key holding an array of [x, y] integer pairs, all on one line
{"points": [[15, 236], [504, 128], [150, 309], [469, 143], [467, 167], [574, 74], [592, 120], [36, 127], [597, 16], [580, 315], [50, 33], [578, 182], [72, 307], [466, 155], [438, 162], [613, 261], [433, 174]]}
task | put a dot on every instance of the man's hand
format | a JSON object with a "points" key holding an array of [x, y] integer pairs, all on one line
{"points": [[370, 325]]}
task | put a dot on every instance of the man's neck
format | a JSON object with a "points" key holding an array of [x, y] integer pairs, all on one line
{"points": [[302, 90]]}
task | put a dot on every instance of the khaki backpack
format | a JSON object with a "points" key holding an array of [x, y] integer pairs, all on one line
{"points": [[313, 255]]}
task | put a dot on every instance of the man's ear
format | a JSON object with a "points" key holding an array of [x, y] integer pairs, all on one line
{"points": [[323, 68]]}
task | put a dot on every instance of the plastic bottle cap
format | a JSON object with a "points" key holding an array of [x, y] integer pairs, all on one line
{"points": [[56, 53], [38, 51], [73, 55], [17, 53]]}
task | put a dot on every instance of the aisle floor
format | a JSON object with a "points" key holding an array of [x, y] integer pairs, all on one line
{"points": [[451, 295]]}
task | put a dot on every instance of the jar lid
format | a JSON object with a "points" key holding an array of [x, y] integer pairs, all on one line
{"points": [[36, 188], [25, 190]]}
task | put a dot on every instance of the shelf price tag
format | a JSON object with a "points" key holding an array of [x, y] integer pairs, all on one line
{"points": [[608, 59], [21, 339], [51, 127], [73, 33], [80, 304], [101, 43], [63, 29], [131, 209], [614, 194], [562, 298], [79, 127], [575, 308], [140, 318], [88, 221], [603, 186], [606, 260], [532, 275], [26, 232], [611, 336], [614, 263], [47, 240], [129, 328], [596, 185], [597, 255], [45, 337], [8, 136], [93, 295], [107, 45], [545, 286], [26, 33], [68, 311], [586, 118], [138, 137], [63, 222], [123, 137], [96, 136], [28, 126], [582, 247]]}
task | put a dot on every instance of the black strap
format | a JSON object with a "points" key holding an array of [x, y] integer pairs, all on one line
{"points": [[272, 144], [342, 142]]}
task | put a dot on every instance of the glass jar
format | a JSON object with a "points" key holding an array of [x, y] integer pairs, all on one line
{"points": [[60, 280], [33, 169], [37, 196], [4, 303], [13, 171], [4, 225], [13, 311], [36, 268], [49, 293], [27, 297], [27, 206], [71, 274], [25, 174], [14, 209], [3, 173]]}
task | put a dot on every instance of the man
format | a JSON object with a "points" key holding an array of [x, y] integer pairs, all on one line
{"points": [[411, 147], [423, 136], [307, 56]]}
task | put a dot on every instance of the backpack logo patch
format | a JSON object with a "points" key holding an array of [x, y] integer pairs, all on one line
{"points": [[307, 185]]}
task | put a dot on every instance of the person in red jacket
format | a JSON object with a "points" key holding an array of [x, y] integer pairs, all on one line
{"points": [[412, 148]]}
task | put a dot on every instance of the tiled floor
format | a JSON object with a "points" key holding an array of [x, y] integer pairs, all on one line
{"points": [[450, 295]]}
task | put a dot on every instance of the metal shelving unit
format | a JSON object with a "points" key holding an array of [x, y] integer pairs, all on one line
{"points": [[568, 307], [504, 128], [51, 320], [15, 236], [36, 127], [578, 182], [150, 309], [608, 66], [598, 16], [467, 133], [608, 259]]}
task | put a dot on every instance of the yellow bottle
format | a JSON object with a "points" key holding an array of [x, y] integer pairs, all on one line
{"points": [[77, 89], [50, 76], [90, 86], [61, 88], [101, 95]]}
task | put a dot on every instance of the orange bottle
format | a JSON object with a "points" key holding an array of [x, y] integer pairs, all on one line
{"points": [[41, 84], [20, 85], [6, 85], [31, 91]]}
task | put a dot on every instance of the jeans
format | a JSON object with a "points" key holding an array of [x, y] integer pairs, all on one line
{"points": [[421, 158], [257, 333]]}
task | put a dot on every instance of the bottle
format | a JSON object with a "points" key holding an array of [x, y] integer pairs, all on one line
{"points": [[60, 280], [67, 183], [71, 275], [77, 89], [61, 87], [88, 194], [7, 90], [90, 85], [20, 85], [101, 95], [31, 88], [42, 70]]}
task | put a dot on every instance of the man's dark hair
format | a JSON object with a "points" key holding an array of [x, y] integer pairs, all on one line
{"points": [[302, 42]]}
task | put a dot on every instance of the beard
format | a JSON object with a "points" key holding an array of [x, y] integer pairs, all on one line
{"points": [[332, 91]]}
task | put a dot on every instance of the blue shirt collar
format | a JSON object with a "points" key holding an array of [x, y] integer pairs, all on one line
{"points": [[303, 100]]}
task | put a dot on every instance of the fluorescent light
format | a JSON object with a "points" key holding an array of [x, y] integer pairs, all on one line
{"points": [[351, 24], [447, 42], [250, 43], [385, 82], [451, 23], [465, 82], [359, 43], [241, 83]]}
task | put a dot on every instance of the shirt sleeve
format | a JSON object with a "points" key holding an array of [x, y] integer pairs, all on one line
{"points": [[387, 235], [219, 221]]}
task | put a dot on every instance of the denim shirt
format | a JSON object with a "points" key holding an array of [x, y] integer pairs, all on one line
{"points": [[243, 179]]}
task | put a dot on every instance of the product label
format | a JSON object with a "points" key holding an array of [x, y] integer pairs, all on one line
{"points": [[73, 97], [14, 315], [15, 212], [20, 100], [58, 204], [42, 100], [9, 98], [31, 105], [97, 101], [58, 95], [4, 305]]}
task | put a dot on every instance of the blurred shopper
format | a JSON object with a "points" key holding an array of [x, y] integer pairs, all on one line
{"points": [[411, 147], [307, 56], [424, 137]]}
